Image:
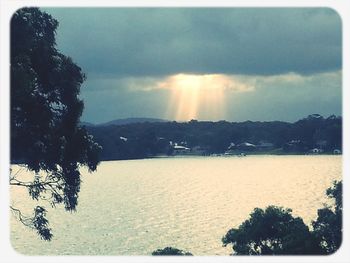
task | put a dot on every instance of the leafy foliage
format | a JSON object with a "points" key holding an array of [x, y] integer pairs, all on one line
{"points": [[269, 232], [274, 231], [45, 111], [38, 222], [170, 251], [328, 226]]}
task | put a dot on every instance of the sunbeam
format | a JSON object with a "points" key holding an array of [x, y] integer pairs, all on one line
{"points": [[194, 96]]}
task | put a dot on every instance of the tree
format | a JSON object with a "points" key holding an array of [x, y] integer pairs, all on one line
{"points": [[328, 226], [276, 231], [273, 231], [45, 112], [170, 251]]}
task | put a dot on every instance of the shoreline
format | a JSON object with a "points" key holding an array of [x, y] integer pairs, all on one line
{"points": [[214, 156], [222, 155]]}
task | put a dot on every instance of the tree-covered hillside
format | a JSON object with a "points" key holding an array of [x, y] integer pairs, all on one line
{"points": [[142, 140]]}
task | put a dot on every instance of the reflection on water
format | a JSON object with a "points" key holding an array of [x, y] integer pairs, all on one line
{"points": [[134, 207]]}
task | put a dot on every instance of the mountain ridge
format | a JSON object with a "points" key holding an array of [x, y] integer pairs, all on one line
{"points": [[123, 121]]}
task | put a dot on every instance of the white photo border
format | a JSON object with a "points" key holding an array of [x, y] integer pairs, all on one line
{"points": [[8, 7]]}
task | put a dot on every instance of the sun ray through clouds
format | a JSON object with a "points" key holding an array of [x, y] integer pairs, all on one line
{"points": [[200, 96]]}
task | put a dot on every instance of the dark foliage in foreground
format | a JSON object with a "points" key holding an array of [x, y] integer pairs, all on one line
{"points": [[37, 222], [45, 112], [170, 251], [274, 231], [271, 231], [328, 226]]}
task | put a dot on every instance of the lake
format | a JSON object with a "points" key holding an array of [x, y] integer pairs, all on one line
{"points": [[135, 207]]}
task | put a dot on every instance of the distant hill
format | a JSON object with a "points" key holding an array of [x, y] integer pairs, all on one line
{"points": [[124, 122], [136, 138], [88, 124]]}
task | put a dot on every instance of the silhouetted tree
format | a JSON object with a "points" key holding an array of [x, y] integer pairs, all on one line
{"points": [[45, 112], [170, 251], [328, 226], [273, 231]]}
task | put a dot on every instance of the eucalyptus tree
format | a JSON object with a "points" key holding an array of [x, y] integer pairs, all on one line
{"points": [[271, 231], [329, 223], [46, 137], [275, 231], [171, 251]]}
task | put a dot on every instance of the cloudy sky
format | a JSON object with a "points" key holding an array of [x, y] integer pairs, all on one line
{"points": [[207, 64]]}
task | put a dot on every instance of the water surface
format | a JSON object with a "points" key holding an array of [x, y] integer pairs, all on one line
{"points": [[135, 207]]}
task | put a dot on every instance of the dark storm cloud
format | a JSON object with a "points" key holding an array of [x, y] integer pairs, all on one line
{"points": [[286, 97], [126, 54], [158, 42]]}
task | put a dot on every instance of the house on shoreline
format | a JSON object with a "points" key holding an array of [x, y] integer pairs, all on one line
{"points": [[181, 150]]}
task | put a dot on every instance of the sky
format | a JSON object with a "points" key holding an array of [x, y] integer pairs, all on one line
{"points": [[234, 64]]}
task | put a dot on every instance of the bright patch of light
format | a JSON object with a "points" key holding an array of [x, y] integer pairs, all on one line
{"points": [[194, 93]]}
